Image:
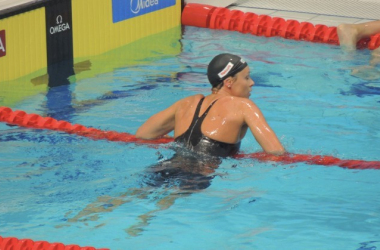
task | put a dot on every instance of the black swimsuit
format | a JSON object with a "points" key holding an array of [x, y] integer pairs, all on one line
{"points": [[187, 171], [195, 140]]}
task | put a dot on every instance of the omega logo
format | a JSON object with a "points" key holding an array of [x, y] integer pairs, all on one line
{"points": [[59, 19], [60, 27]]}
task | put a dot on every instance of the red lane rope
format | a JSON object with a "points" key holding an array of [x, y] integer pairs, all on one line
{"points": [[324, 160], [12, 243], [207, 16], [23, 119]]}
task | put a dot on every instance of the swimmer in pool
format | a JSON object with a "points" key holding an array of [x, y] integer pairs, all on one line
{"points": [[349, 35], [215, 124]]}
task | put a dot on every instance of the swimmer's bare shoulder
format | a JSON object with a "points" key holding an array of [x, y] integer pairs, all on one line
{"points": [[163, 122], [245, 106], [184, 104], [248, 105], [191, 98], [255, 120]]}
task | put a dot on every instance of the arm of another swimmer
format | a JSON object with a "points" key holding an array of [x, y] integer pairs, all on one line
{"points": [[260, 129], [158, 125]]}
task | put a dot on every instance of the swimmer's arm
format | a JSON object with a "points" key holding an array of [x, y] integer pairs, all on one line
{"points": [[260, 129], [158, 125]]}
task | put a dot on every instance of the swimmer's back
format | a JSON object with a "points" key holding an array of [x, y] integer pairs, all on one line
{"points": [[224, 122]]}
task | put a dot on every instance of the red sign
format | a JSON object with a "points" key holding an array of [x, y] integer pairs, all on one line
{"points": [[3, 49]]}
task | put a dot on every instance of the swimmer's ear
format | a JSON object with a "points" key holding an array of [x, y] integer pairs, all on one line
{"points": [[227, 82]]}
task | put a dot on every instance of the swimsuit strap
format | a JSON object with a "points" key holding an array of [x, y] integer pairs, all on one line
{"points": [[208, 109], [196, 126], [194, 134], [196, 114], [198, 109]]}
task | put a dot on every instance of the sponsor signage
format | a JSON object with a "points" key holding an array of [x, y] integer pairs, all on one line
{"points": [[59, 26], [125, 9], [3, 48], [59, 41], [226, 70], [59, 38]]}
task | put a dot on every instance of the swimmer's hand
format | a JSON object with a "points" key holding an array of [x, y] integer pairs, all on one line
{"points": [[366, 72]]}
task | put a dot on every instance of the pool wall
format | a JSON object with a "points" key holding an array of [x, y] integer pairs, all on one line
{"points": [[44, 43]]}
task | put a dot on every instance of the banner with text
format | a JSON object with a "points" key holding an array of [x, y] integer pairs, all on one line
{"points": [[126, 9]]}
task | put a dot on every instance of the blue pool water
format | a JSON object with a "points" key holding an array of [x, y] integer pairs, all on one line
{"points": [[64, 188]]}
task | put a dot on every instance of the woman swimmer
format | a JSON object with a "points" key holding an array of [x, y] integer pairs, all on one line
{"points": [[226, 115], [216, 124]]}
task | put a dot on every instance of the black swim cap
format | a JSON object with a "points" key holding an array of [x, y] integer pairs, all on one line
{"points": [[223, 66]]}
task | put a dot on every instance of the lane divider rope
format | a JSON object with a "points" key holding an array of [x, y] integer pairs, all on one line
{"points": [[11, 243], [207, 16], [323, 160], [23, 119]]}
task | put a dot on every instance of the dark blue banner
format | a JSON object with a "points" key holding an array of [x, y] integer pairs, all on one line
{"points": [[125, 9]]}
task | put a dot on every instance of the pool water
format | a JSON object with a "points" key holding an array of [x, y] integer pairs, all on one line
{"points": [[65, 188]]}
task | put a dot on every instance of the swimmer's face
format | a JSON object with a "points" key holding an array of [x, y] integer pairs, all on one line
{"points": [[241, 84]]}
